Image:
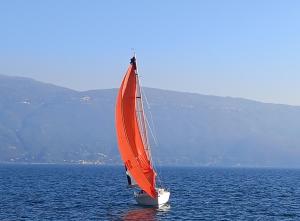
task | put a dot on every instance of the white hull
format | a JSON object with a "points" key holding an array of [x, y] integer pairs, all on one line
{"points": [[145, 200]]}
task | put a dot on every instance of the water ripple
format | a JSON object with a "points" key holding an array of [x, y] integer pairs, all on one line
{"points": [[56, 192]]}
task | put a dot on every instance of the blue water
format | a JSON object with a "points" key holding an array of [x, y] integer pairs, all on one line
{"points": [[70, 192]]}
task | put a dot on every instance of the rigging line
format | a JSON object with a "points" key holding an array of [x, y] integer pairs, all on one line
{"points": [[152, 129], [142, 94], [141, 114], [141, 90], [143, 121], [153, 133]]}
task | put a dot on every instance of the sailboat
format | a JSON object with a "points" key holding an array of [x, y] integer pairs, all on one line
{"points": [[133, 141]]}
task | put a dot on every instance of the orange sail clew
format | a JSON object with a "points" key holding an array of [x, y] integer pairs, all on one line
{"points": [[130, 140]]}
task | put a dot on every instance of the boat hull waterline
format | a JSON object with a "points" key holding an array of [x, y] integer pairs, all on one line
{"points": [[145, 200]]}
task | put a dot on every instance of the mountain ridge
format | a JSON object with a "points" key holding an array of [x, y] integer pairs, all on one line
{"points": [[44, 123], [149, 88]]}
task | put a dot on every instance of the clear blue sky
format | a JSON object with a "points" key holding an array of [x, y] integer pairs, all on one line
{"points": [[247, 49]]}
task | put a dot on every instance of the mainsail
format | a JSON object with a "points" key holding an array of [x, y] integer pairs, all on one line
{"points": [[132, 132]]}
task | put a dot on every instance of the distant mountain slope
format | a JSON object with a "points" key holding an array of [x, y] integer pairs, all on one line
{"points": [[44, 123]]}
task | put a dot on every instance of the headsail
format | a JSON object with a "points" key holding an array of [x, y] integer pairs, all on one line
{"points": [[132, 139]]}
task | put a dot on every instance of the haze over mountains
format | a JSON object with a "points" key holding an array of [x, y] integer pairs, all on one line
{"points": [[43, 123]]}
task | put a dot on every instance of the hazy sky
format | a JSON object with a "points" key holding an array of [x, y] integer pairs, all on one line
{"points": [[247, 49]]}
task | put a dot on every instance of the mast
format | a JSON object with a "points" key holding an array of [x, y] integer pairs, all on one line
{"points": [[141, 113]]}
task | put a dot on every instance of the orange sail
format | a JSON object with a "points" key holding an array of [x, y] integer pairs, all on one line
{"points": [[131, 132]]}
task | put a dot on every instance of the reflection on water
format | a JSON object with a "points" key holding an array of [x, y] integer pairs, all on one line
{"points": [[145, 213]]}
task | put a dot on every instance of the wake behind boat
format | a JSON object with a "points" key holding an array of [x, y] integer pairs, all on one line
{"points": [[133, 141]]}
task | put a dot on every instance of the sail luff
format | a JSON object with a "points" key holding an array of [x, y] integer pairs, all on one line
{"points": [[129, 136]]}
